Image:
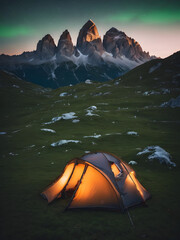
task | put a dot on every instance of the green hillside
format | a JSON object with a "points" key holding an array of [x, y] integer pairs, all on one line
{"points": [[29, 162]]}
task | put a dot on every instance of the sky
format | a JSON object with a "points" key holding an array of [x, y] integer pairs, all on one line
{"points": [[154, 24]]}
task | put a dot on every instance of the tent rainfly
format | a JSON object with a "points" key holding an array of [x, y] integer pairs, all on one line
{"points": [[97, 180]]}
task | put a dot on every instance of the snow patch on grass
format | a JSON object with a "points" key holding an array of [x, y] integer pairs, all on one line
{"points": [[67, 116], [165, 91], [48, 130], [93, 136], [15, 86], [92, 108], [132, 133], [90, 111], [3, 133], [31, 146], [64, 94], [107, 93], [75, 121], [148, 93], [132, 163], [156, 152], [109, 134], [13, 154], [116, 83], [62, 142], [88, 81], [64, 116], [16, 131]]}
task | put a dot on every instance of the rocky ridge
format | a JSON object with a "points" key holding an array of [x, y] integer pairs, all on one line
{"points": [[92, 58], [119, 44], [89, 43]]}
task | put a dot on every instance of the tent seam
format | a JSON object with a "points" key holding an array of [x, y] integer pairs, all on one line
{"points": [[64, 188]]}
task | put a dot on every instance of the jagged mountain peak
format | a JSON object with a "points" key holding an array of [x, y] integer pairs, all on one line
{"points": [[65, 36], [65, 45], [47, 37], [90, 20], [89, 40], [89, 24], [119, 44], [88, 33], [46, 47], [113, 32]]}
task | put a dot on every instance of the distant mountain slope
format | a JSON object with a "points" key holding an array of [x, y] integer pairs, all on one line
{"points": [[156, 73], [18, 96], [92, 58]]}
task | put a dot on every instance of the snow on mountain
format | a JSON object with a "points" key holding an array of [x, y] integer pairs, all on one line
{"points": [[92, 58]]}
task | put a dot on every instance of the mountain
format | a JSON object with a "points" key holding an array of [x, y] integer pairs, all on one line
{"points": [[119, 44], [89, 42], [157, 73], [65, 46], [46, 48], [92, 58]]}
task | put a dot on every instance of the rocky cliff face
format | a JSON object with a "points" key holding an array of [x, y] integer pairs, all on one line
{"points": [[65, 46], [46, 47], [66, 64], [89, 43], [119, 44], [88, 40]]}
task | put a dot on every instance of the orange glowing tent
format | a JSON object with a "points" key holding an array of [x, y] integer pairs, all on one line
{"points": [[97, 180]]}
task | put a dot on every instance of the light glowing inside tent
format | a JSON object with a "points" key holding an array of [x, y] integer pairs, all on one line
{"points": [[78, 171], [56, 187], [94, 190], [131, 180], [115, 169]]}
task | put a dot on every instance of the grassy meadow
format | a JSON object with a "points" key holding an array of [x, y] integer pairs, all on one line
{"points": [[28, 162]]}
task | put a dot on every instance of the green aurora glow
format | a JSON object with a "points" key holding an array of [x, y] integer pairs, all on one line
{"points": [[24, 22], [14, 31], [151, 17]]}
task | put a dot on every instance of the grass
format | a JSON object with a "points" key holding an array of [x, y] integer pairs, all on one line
{"points": [[28, 162]]}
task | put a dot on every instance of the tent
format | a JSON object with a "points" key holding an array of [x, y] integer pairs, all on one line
{"points": [[97, 180]]}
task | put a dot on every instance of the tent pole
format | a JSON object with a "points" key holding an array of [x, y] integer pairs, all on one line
{"points": [[85, 168], [64, 188]]}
